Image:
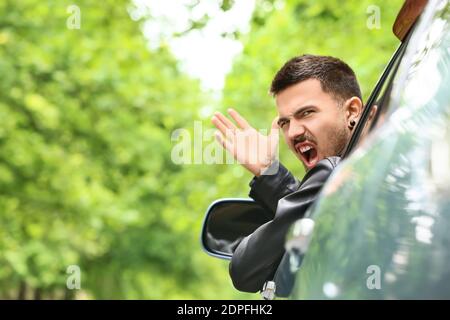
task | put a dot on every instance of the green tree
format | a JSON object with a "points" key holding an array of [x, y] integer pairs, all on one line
{"points": [[86, 175], [85, 171]]}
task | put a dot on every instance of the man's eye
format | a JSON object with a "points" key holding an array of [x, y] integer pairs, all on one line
{"points": [[307, 112], [282, 123]]}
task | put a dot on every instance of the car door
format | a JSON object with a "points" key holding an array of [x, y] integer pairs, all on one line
{"points": [[381, 222]]}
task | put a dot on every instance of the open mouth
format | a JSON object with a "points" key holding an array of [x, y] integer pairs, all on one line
{"points": [[308, 153]]}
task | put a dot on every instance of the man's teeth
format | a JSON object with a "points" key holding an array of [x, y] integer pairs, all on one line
{"points": [[305, 149]]}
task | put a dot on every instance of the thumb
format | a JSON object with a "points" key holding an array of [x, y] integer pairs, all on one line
{"points": [[275, 127], [274, 134]]}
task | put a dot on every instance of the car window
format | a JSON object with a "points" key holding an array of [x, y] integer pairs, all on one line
{"points": [[375, 107]]}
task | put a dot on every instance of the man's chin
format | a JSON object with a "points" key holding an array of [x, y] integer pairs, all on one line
{"points": [[308, 163], [311, 163], [308, 166], [311, 166]]}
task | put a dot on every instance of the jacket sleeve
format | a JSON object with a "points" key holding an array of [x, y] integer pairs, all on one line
{"points": [[256, 258], [268, 189]]}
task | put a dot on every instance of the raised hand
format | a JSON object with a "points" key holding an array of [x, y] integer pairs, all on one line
{"points": [[252, 149]]}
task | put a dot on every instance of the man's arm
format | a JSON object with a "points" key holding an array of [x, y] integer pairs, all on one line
{"points": [[256, 258], [267, 190]]}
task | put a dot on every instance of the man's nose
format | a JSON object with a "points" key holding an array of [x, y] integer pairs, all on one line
{"points": [[295, 129]]}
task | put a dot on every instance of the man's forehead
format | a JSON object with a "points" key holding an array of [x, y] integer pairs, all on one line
{"points": [[305, 93], [308, 89]]}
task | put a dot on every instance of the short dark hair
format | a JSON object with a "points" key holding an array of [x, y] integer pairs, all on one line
{"points": [[335, 76]]}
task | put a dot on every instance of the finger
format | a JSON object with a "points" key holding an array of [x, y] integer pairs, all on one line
{"points": [[239, 119], [219, 125], [225, 121], [274, 136], [225, 143], [275, 127], [227, 132]]}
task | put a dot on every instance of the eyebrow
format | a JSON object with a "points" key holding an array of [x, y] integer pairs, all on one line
{"points": [[297, 112]]}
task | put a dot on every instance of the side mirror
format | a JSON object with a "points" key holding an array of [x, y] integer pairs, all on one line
{"points": [[227, 222]]}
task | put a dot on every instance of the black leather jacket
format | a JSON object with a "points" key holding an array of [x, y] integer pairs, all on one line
{"points": [[258, 255]]}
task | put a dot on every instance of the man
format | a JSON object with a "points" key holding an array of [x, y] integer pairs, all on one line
{"points": [[319, 102]]}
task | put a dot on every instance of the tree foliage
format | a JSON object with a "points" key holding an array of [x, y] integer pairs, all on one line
{"points": [[86, 176]]}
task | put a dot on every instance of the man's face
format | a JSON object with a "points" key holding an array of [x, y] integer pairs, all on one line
{"points": [[313, 123]]}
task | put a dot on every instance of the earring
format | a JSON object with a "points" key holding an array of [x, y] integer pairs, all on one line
{"points": [[352, 124]]}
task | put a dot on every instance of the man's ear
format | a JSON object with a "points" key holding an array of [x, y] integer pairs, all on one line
{"points": [[373, 112], [353, 110]]}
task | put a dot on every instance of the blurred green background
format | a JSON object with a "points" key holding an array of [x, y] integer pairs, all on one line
{"points": [[87, 115]]}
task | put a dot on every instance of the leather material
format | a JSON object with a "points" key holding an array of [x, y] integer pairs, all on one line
{"points": [[267, 190], [258, 255]]}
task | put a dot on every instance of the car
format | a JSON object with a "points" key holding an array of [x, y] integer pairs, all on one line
{"points": [[380, 228]]}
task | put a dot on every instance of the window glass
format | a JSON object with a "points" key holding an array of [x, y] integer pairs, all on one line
{"points": [[385, 211]]}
